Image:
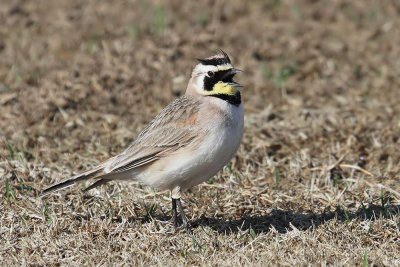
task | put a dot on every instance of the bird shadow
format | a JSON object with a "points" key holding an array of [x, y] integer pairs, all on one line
{"points": [[285, 220], [282, 221]]}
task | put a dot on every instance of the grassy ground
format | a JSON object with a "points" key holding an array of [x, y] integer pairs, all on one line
{"points": [[315, 182]]}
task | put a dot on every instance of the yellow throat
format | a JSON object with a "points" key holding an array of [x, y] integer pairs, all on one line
{"points": [[221, 88]]}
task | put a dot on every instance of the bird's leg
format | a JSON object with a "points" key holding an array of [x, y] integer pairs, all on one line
{"points": [[175, 195], [176, 201], [185, 221], [174, 218]]}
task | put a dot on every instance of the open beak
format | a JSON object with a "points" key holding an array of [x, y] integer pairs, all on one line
{"points": [[235, 84], [234, 71], [230, 74]]}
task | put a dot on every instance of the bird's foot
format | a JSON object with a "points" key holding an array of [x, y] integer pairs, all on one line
{"points": [[185, 226], [173, 226]]}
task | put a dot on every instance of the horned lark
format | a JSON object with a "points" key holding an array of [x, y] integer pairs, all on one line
{"points": [[187, 143]]}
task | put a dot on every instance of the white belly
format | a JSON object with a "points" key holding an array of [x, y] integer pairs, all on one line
{"points": [[189, 168]]}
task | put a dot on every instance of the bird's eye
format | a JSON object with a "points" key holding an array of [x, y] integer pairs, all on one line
{"points": [[210, 74]]}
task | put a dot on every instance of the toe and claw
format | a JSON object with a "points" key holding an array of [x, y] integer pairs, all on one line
{"points": [[176, 203]]}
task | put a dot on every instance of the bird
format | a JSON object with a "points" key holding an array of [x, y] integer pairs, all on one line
{"points": [[188, 142]]}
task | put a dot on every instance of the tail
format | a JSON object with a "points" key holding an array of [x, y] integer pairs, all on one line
{"points": [[96, 172]]}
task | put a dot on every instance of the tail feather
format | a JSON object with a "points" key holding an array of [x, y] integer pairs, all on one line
{"points": [[69, 182]]}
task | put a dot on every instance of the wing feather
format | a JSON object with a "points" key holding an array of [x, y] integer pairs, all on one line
{"points": [[173, 128]]}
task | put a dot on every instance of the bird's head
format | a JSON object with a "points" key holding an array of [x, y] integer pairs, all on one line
{"points": [[213, 76]]}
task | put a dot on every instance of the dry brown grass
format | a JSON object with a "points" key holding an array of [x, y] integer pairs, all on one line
{"points": [[80, 79]]}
